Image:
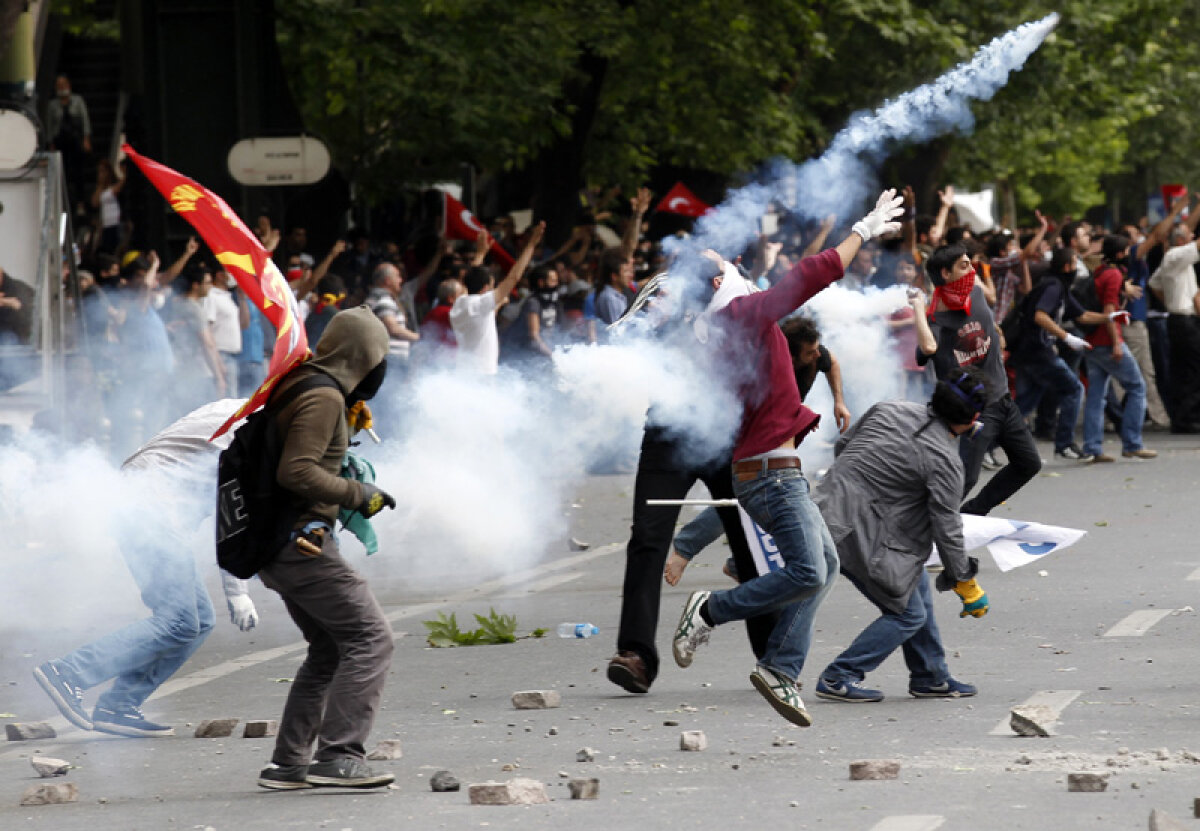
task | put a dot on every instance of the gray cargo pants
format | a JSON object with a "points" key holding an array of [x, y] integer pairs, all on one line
{"points": [[337, 690]]}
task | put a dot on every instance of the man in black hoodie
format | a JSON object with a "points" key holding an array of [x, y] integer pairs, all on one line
{"points": [[336, 692]]}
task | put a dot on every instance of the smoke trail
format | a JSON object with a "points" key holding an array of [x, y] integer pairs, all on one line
{"points": [[843, 178]]}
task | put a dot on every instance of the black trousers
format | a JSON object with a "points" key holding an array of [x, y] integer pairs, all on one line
{"points": [[663, 473], [1003, 426], [1184, 333]]}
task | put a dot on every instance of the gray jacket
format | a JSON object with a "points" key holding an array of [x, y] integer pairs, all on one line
{"points": [[894, 490]]}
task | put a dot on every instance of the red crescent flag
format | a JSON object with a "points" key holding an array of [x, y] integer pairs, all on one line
{"points": [[243, 256], [680, 200], [459, 223]]}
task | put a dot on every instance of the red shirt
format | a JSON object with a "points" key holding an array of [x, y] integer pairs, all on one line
{"points": [[437, 326], [772, 412], [1109, 281]]}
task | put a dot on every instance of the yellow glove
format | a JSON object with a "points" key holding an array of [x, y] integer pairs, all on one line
{"points": [[974, 599], [358, 417]]}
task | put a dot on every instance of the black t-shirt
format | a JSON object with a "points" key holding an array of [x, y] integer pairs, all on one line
{"points": [[968, 340], [806, 375]]}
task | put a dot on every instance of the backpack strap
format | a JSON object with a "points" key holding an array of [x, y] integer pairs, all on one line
{"points": [[316, 379]]}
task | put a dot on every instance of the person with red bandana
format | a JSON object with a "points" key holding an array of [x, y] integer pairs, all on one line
{"points": [[957, 331]]}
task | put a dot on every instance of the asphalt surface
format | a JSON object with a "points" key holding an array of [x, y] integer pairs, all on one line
{"points": [[1128, 701]]}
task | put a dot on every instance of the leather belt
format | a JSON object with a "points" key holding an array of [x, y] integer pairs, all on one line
{"points": [[748, 469]]}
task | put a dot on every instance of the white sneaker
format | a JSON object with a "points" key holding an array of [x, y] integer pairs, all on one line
{"points": [[692, 631], [782, 693]]}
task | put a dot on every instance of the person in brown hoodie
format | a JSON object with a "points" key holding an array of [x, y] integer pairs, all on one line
{"points": [[336, 692]]}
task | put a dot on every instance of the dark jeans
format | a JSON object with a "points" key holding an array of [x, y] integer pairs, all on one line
{"points": [[337, 690], [1160, 354], [1002, 425], [914, 631], [1184, 331], [1036, 378], [663, 474]]}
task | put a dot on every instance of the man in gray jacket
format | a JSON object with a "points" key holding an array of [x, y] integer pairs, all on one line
{"points": [[892, 492]]}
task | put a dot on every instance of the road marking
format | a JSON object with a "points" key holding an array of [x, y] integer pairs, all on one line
{"points": [[542, 585], [203, 676], [1137, 623], [1055, 700], [1195, 575], [916, 822]]}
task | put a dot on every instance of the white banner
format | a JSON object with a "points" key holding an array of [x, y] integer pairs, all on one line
{"points": [[1012, 542]]}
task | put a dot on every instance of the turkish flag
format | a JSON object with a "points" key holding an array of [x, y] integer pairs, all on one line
{"points": [[459, 223], [243, 256], [680, 200]]}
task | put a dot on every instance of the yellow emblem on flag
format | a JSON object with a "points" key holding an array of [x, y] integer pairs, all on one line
{"points": [[183, 198], [243, 261]]}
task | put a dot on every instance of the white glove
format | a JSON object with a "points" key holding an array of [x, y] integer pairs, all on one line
{"points": [[1120, 316], [879, 221], [242, 612], [1075, 342]]}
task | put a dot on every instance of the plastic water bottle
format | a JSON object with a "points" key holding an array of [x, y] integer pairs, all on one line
{"points": [[576, 630]]}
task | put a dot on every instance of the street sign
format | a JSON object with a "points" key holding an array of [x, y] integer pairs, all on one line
{"points": [[297, 160]]}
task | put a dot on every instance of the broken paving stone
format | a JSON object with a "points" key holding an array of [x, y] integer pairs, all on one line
{"points": [[1087, 782], [513, 792], [694, 740], [47, 767], [670, 723], [1162, 821], [55, 794], [585, 754], [536, 699], [1034, 720], [386, 750], [443, 782], [216, 728], [260, 729], [874, 769], [24, 732], [584, 788]]}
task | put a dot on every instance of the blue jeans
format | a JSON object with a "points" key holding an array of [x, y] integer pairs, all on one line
{"points": [[250, 376], [1100, 367], [698, 534], [1037, 377], [142, 655], [779, 503], [914, 631]]}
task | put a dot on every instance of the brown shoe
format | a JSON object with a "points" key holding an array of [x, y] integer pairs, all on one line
{"points": [[1140, 453], [1102, 458], [628, 671]]}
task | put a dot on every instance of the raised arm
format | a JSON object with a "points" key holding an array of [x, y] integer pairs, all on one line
{"points": [[818, 242], [939, 225], [176, 268], [517, 271], [639, 204]]}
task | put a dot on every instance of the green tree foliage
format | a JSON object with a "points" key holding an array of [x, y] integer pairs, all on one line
{"points": [[604, 90]]}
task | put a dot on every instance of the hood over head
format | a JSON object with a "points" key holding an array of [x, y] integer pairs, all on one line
{"points": [[354, 342]]}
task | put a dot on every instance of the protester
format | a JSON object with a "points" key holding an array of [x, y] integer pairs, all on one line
{"points": [[767, 478], [1174, 283], [177, 467], [70, 132], [336, 692]]}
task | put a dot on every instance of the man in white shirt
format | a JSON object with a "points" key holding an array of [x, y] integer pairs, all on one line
{"points": [[1174, 283], [473, 316], [227, 317]]}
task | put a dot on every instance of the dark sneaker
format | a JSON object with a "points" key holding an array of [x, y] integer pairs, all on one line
{"points": [[346, 773], [628, 671], [692, 631], [66, 695], [283, 777], [947, 689], [128, 722], [782, 693], [843, 691], [1072, 453]]}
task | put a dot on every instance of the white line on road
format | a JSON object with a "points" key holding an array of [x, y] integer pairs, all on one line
{"points": [[916, 822], [1056, 700], [1137, 623], [1195, 575], [544, 584], [212, 673]]}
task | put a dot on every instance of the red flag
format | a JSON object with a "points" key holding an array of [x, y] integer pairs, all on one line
{"points": [[459, 223], [680, 200], [243, 256]]}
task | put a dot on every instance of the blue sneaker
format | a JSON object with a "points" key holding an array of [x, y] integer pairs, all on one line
{"points": [[128, 721], [846, 691], [66, 694], [947, 689]]}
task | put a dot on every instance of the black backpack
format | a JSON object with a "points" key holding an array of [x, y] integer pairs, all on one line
{"points": [[255, 515], [1085, 292]]}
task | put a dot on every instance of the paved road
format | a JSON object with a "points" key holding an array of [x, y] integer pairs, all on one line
{"points": [[1105, 631]]}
